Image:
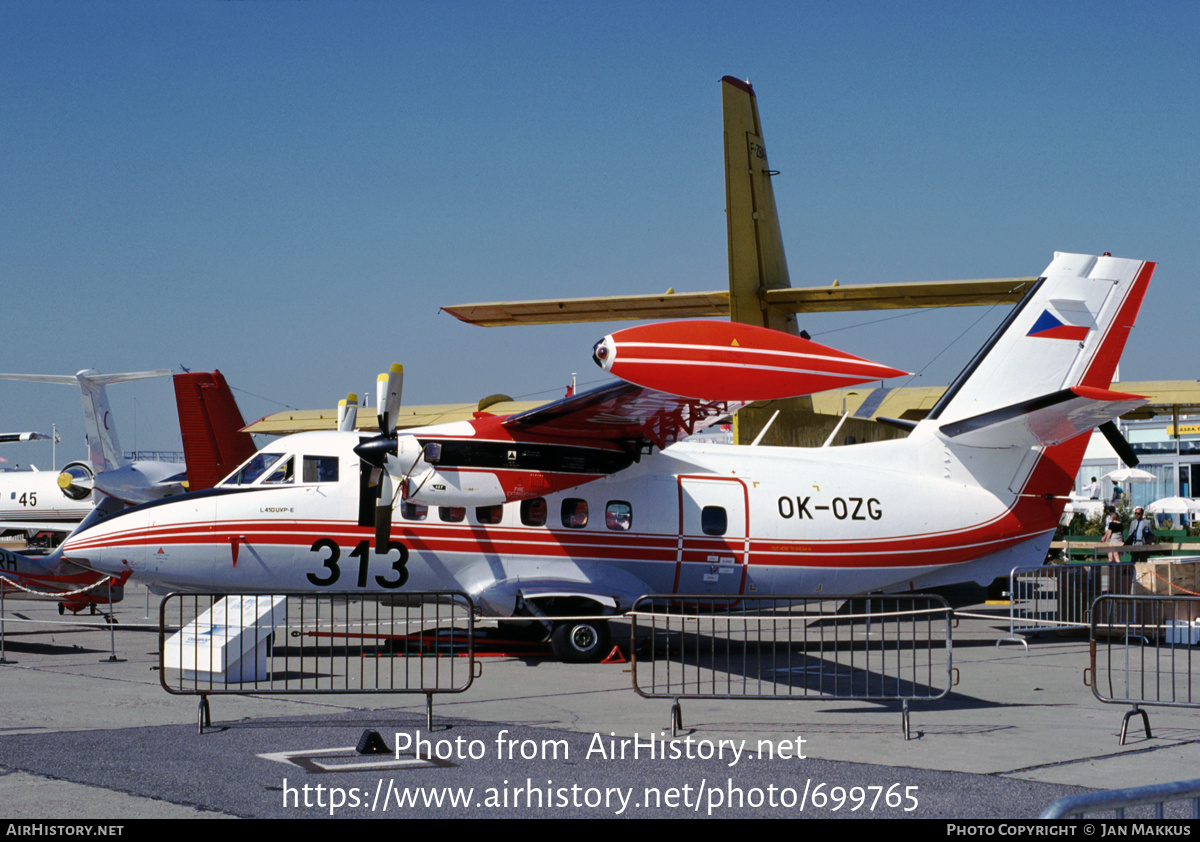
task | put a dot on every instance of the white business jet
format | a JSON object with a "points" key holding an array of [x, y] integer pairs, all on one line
{"points": [[56, 501]]}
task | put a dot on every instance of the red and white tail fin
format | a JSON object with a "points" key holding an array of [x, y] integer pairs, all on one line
{"points": [[210, 424], [1021, 408], [1069, 332]]}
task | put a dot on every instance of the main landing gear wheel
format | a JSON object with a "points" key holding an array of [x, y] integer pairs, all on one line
{"points": [[581, 641]]}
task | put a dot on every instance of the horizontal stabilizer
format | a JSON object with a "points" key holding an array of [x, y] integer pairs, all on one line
{"points": [[89, 376], [711, 360], [1043, 421]]}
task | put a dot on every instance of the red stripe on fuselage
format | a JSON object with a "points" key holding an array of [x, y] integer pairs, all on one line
{"points": [[918, 550]]}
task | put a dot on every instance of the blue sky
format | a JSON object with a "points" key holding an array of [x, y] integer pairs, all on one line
{"points": [[288, 191]]}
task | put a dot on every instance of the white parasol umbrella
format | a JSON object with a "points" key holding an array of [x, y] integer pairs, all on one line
{"points": [[1130, 475], [1174, 506]]}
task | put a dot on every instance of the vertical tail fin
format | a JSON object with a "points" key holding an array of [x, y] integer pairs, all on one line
{"points": [[103, 444], [211, 426], [1068, 332], [105, 448]]}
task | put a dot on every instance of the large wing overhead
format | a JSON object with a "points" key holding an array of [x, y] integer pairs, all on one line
{"points": [[682, 376], [500, 459], [304, 420], [699, 305], [700, 372], [601, 308], [621, 413]]}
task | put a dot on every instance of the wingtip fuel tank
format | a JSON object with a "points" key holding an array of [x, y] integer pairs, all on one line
{"points": [[715, 360]]}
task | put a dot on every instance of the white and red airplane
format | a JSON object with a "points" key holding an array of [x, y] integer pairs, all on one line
{"points": [[210, 426], [586, 504]]}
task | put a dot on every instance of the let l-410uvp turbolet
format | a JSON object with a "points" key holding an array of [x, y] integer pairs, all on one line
{"points": [[586, 504]]}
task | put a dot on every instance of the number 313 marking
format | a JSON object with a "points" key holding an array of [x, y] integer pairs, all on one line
{"points": [[361, 551]]}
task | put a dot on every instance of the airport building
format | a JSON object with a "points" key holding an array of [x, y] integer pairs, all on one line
{"points": [[1170, 452]]}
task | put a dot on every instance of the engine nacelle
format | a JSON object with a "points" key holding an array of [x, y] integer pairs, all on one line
{"points": [[488, 472], [416, 465], [455, 488], [77, 480]]}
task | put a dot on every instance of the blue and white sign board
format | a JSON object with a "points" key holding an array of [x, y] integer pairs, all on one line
{"points": [[228, 642]]}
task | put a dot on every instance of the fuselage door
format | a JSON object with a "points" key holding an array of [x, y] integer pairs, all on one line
{"points": [[713, 529]]}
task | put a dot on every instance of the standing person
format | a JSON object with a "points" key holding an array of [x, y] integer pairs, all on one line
{"points": [[1116, 496], [1112, 532], [1092, 490], [1140, 530]]}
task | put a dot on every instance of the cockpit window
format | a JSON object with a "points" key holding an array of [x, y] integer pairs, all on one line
{"points": [[252, 469], [284, 474]]}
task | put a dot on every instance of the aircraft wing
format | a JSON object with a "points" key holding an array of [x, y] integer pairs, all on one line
{"points": [[41, 525], [303, 420], [697, 305], [1047, 420], [602, 308], [711, 370], [622, 412]]}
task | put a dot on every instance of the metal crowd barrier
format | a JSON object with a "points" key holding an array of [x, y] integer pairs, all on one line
{"points": [[1143, 652], [1060, 596], [838, 647], [1120, 800], [329, 643]]}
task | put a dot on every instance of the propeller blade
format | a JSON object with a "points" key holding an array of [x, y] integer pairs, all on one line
{"points": [[347, 413], [1119, 443], [387, 397]]}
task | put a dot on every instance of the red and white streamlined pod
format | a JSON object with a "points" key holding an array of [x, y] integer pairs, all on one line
{"points": [[714, 360]]}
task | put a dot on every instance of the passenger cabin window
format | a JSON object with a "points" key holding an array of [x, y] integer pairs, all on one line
{"points": [[252, 469], [320, 469], [489, 515], [452, 514], [574, 513], [713, 520], [533, 512], [413, 511], [618, 515]]}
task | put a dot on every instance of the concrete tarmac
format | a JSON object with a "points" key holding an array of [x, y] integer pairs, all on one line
{"points": [[88, 737]]}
